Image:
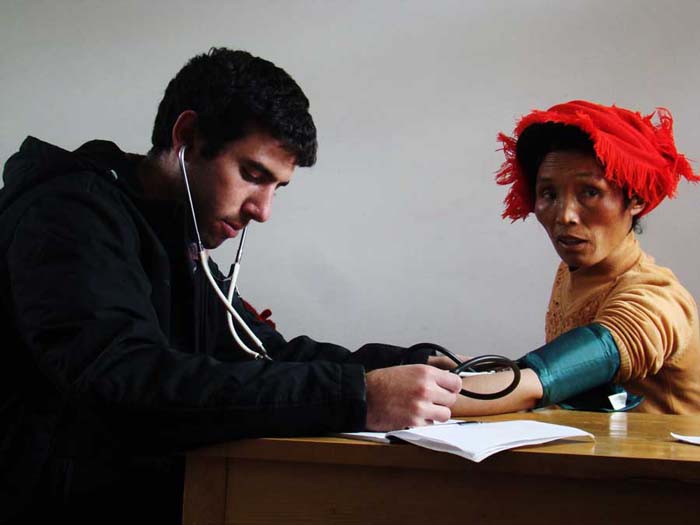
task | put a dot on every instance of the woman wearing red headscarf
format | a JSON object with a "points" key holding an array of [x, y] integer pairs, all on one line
{"points": [[621, 331]]}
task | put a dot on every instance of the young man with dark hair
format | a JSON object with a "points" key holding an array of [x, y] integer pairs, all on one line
{"points": [[117, 354]]}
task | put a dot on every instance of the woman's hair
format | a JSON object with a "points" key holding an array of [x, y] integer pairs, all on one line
{"points": [[233, 92], [538, 140]]}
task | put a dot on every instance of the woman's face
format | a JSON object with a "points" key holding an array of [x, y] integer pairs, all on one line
{"points": [[585, 215]]}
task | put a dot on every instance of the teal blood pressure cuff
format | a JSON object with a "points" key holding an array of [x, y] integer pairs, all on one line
{"points": [[577, 362]]}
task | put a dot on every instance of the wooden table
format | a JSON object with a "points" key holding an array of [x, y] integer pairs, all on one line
{"points": [[634, 472]]}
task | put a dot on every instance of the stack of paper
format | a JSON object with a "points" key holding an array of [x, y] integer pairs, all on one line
{"points": [[474, 440]]}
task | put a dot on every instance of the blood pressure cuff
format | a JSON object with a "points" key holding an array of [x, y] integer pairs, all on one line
{"points": [[578, 367]]}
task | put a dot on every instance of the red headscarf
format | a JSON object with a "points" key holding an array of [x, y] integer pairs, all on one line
{"points": [[637, 154]]}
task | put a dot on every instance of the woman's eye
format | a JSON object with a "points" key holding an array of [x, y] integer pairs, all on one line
{"points": [[591, 192], [547, 194]]}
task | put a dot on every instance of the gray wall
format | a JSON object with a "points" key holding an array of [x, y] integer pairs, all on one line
{"points": [[396, 234]]}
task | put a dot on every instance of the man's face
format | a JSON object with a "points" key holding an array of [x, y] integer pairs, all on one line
{"points": [[584, 214], [238, 185]]}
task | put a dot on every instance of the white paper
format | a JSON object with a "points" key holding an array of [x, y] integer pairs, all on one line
{"points": [[693, 440], [476, 441]]}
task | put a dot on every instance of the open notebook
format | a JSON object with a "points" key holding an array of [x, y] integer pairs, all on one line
{"points": [[475, 440]]}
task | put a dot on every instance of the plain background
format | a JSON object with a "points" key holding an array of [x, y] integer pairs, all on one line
{"points": [[395, 235]]}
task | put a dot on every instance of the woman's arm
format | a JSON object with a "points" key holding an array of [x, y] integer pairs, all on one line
{"points": [[575, 362], [526, 395]]}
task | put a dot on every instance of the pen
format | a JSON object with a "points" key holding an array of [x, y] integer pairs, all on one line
{"points": [[470, 422], [395, 439], [459, 423]]}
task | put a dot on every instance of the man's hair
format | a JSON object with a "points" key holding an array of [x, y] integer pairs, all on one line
{"points": [[232, 93], [538, 140]]}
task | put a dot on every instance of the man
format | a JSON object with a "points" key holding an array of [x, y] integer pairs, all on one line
{"points": [[117, 355]]}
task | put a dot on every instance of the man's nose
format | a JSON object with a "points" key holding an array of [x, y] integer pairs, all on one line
{"points": [[260, 204]]}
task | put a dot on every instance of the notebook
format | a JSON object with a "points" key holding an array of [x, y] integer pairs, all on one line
{"points": [[475, 440]]}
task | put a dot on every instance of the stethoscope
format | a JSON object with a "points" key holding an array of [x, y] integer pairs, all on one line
{"points": [[480, 364], [484, 363], [226, 300]]}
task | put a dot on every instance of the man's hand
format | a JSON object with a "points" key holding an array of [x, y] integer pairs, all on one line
{"points": [[409, 396]]}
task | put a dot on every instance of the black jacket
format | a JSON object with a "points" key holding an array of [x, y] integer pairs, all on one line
{"points": [[115, 351]]}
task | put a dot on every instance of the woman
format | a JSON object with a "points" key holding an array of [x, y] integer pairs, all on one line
{"points": [[615, 319]]}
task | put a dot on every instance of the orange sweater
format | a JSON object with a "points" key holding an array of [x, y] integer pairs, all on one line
{"points": [[652, 318]]}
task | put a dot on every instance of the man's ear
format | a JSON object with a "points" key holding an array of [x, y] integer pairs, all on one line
{"points": [[184, 131], [636, 205]]}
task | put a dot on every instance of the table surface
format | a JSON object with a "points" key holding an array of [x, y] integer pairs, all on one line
{"points": [[634, 472], [640, 442]]}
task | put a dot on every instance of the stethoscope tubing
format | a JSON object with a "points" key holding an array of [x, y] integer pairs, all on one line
{"points": [[482, 363]]}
